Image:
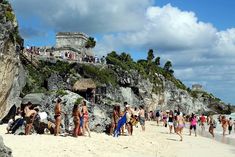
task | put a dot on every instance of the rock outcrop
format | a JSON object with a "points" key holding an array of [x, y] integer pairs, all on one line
{"points": [[12, 74], [4, 150], [99, 114]]}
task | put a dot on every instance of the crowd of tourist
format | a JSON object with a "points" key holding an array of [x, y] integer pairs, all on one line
{"points": [[122, 121], [34, 51]]}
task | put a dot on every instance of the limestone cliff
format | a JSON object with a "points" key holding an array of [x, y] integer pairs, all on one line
{"points": [[12, 75]]}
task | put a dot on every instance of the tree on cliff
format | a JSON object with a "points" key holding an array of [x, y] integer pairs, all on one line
{"points": [[125, 57], [157, 61], [150, 56], [90, 43], [168, 66]]}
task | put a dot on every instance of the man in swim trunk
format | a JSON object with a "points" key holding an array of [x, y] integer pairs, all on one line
{"points": [[142, 118]]}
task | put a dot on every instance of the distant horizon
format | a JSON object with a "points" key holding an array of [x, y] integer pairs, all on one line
{"points": [[198, 37]]}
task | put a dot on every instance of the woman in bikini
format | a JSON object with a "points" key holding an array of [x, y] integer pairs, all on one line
{"points": [[57, 116], [212, 126], [115, 118], [76, 120], [85, 118], [180, 125]]}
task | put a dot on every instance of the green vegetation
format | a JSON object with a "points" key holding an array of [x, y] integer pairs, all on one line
{"points": [[90, 43], [5, 2], [78, 101], [147, 68], [61, 92], [10, 16], [101, 75]]}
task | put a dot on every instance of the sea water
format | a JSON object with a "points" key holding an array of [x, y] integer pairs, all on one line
{"points": [[227, 139]]}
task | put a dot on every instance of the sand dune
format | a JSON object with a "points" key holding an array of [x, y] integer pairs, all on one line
{"points": [[155, 142]]}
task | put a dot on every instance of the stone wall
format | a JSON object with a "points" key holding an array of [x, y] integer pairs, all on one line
{"points": [[73, 40]]}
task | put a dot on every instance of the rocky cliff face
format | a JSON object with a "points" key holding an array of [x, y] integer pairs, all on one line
{"points": [[12, 75], [4, 151], [139, 91]]}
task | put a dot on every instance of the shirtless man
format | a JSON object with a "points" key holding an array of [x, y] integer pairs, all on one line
{"points": [[57, 117], [29, 117], [180, 125], [224, 123], [142, 118]]}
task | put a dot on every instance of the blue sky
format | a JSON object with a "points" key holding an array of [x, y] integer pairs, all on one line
{"points": [[198, 36]]}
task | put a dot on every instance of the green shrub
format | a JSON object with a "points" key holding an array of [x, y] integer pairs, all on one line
{"points": [[78, 101], [61, 92], [10, 16]]}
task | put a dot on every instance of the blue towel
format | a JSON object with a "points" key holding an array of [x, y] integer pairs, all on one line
{"points": [[121, 122]]}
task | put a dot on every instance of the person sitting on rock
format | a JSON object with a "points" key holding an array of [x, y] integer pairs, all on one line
{"points": [[29, 117]]}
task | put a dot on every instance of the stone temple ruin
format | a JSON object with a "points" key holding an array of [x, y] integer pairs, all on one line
{"points": [[72, 42], [197, 87]]}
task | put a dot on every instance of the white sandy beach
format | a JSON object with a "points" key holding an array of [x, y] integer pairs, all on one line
{"points": [[155, 142]]}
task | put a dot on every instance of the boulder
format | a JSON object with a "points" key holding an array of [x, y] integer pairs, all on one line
{"points": [[99, 114], [4, 150], [56, 82]]}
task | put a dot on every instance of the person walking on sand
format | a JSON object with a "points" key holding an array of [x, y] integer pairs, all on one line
{"points": [[230, 125], [193, 124], [164, 118], [170, 120], [29, 117], [142, 118], [128, 119], [85, 117], [212, 126], [180, 125], [224, 123], [58, 113], [202, 122], [76, 119], [158, 117]]}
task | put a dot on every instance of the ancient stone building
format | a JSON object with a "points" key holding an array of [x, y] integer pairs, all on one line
{"points": [[74, 40], [197, 87]]}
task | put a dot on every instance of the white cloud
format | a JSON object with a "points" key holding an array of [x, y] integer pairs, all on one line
{"points": [[90, 16], [199, 52]]}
